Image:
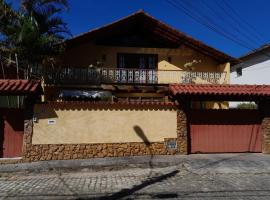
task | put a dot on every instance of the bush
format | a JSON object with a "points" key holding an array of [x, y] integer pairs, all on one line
{"points": [[247, 106]]}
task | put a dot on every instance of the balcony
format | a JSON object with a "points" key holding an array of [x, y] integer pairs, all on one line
{"points": [[84, 76]]}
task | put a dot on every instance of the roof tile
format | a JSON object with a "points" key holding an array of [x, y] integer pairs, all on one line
{"points": [[215, 89], [18, 87]]}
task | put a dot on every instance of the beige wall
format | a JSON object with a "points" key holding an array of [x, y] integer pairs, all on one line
{"points": [[102, 126], [226, 67], [87, 54]]}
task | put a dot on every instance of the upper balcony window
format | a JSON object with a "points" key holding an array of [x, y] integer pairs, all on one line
{"points": [[141, 61]]}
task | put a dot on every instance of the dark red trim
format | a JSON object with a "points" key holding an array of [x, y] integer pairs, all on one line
{"points": [[110, 105]]}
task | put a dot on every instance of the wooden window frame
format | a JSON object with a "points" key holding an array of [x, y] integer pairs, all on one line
{"points": [[137, 66]]}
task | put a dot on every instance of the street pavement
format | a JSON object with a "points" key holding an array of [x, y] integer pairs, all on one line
{"points": [[227, 176]]}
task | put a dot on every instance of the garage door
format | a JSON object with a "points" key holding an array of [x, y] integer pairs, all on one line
{"points": [[11, 132], [225, 131]]}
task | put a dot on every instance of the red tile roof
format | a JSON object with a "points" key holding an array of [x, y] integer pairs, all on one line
{"points": [[19, 86], [220, 90]]}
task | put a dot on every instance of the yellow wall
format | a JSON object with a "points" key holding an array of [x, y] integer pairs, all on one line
{"points": [[87, 54], [101, 126], [226, 67]]}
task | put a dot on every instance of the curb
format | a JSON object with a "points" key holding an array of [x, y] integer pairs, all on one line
{"points": [[111, 163]]}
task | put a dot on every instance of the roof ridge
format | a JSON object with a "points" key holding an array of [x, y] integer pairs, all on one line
{"points": [[189, 40]]}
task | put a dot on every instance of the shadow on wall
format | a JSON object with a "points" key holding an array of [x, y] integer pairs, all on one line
{"points": [[138, 130], [45, 112], [13, 117]]}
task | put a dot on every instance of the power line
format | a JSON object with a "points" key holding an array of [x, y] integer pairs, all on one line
{"points": [[217, 26], [230, 23], [206, 24], [210, 26], [239, 18]]}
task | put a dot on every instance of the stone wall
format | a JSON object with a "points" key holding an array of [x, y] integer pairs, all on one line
{"points": [[264, 107], [35, 152], [82, 151], [182, 132], [266, 135]]}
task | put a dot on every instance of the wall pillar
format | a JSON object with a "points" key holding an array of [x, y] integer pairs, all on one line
{"points": [[182, 133], [28, 131], [266, 135], [264, 106]]}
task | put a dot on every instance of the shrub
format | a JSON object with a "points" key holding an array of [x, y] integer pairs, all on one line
{"points": [[247, 106]]}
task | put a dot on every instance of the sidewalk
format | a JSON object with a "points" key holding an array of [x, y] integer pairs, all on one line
{"points": [[201, 163], [97, 163], [208, 177]]}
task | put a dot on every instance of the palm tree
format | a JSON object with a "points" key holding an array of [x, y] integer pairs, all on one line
{"points": [[44, 14], [34, 31]]}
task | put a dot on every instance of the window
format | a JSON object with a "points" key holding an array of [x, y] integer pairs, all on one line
{"points": [[239, 71], [142, 61]]}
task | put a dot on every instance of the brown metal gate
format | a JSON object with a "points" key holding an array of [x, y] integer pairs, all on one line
{"points": [[11, 135], [224, 131]]}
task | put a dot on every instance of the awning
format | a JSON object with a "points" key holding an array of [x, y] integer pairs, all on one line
{"points": [[221, 92], [19, 87]]}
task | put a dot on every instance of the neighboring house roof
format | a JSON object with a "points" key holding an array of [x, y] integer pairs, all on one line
{"points": [[263, 50], [140, 21], [242, 92], [19, 87], [252, 58]]}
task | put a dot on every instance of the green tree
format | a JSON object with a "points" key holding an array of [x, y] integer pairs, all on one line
{"points": [[247, 106], [35, 31]]}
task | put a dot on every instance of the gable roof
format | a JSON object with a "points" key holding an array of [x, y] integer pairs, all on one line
{"points": [[140, 21]]}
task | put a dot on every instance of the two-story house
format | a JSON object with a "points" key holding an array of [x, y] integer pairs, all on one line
{"points": [[134, 59], [134, 87]]}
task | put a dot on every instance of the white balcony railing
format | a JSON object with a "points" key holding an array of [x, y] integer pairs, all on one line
{"points": [[69, 75]]}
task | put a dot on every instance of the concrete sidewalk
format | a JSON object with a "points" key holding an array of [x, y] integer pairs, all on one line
{"points": [[197, 163], [97, 163]]}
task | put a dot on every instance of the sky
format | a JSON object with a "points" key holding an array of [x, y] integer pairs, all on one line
{"points": [[85, 15]]}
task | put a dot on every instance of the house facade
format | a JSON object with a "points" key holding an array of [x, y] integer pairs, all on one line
{"points": [[140, 87], [253, 68], [136, 58]]}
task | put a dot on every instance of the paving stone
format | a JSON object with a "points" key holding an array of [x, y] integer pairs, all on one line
{"points": [[175, 182]]}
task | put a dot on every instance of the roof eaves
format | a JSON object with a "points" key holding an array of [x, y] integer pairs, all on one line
{"points": [[189, 41], [254, 52]]}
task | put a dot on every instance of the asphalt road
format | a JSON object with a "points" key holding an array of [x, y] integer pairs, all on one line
{"points": [[230, 176]]}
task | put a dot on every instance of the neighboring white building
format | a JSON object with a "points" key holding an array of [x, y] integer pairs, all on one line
{"points": [[254, 68]]}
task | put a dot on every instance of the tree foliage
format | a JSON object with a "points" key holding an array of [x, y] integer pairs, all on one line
{"points": [[247, 106], [34, 31]]}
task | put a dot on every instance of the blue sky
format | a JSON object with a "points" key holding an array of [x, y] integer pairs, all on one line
{"points": [[85, 15]]}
